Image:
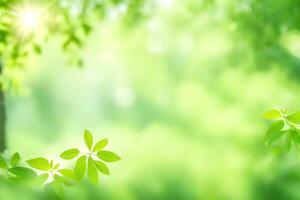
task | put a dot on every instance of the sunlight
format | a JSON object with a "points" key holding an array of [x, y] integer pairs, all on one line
{"points": [[28, 19]]}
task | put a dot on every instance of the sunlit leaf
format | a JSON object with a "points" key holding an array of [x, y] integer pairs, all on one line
{"points": [[22, 171], [15, 159], [108, 156], [287, 142], [69, 154], [274, 132], [296, 137], [39, 163], [80, 167], [275, 136], [56, 166], [295, 118], [102, 167], [40, 179], [2, 162], [276, 126], [88, 138], [65, 180], [92, 171], [67, 173], [51, 163], [272, 114], [100, 145]]}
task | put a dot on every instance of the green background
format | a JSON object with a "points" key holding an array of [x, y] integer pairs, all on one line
{"points": [[180, 95]]}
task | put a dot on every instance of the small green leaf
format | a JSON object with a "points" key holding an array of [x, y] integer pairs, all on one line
{"points": [[67, 173], [15, 159], [92, 171], [56, 166], [22, 172], [69, 154], [297, 138], [295, 118], [88, 138], [108, 156], [275, 127], [39, 163], [40, 179], [100, 145], [65, 180], [102, 167], [272, 114], [3, 164], [275, 132], [274, 136], [287, 143], [80, 167], [295, 135]]}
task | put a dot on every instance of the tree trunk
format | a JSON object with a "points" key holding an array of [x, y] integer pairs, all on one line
{"points": [[2, 117]]}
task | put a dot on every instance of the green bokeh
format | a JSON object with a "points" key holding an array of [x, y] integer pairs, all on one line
{"points": [[180, 95]]}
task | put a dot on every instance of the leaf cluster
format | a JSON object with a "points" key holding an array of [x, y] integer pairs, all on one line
{"points": [[284, 132], [41, 171]]}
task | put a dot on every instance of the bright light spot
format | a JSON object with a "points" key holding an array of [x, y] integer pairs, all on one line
{"points": [[116, 12], [124, 96], [75, 11], [155, 45], [165, 3], [28, 18], [291, 41]]}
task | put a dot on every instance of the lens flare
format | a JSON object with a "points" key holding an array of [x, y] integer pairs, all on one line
{"points": [[29, 18]]}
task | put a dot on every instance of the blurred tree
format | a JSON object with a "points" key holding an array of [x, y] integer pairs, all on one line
{"points": [[26, 25], [261, 28]]}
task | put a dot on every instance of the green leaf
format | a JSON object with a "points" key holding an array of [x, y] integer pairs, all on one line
{"points": [[287, 143], [80, 167], [102, 167], [272, 114], [3, 164], [295, 118], [22, 171], [92, 171], [65, 180], [100, 145], [15, 159], [296, 139], [274, 130], [67, 173], [39, 163], [88, 138], [295, 135], [69, 154], [108, 156], [56, 166], [40, 179], [275, 136]]}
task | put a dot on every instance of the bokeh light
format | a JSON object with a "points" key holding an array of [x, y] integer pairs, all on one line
{"points": [[29, 19]]}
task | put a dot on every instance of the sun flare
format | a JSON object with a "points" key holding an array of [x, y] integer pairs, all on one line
{"points": [[29, 18]]}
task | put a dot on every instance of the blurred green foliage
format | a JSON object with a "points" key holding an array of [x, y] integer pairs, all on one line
{"points": [[180, 88]]}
